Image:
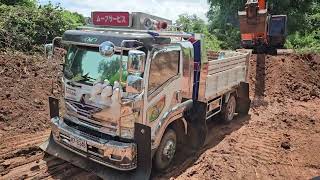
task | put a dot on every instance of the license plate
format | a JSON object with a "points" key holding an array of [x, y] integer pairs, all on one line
{"points": [[78, 143]]}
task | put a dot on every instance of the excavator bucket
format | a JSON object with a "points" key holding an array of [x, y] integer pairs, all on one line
{"points": [[142, 137]]}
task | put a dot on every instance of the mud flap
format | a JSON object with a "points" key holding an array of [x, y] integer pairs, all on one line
{"points": [[243, 99], [197, 125], [142, 138], [53, 107]]}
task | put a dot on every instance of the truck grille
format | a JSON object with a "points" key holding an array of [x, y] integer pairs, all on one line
{"points": [[93, 134], [87, 131], [84, 114], [84, 110]]}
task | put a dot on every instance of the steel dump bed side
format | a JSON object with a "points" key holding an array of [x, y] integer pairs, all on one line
{"points": [[222, 72]]}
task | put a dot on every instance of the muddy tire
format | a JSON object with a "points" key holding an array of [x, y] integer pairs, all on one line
{"points": [[166, 151], [229, 109]]}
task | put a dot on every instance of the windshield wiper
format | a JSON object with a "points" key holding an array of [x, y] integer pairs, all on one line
{"points": [[83, 78], [70, 83], [86, 77]]}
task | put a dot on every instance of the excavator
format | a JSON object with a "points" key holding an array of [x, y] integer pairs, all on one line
{"points": [[261, 31]]}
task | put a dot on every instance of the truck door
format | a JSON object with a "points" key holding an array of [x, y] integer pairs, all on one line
{"points": [[163, 87]]}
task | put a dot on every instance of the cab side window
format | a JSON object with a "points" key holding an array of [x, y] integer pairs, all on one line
{"points": [[164, 66]]}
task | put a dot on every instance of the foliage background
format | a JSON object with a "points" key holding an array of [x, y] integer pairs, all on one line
{"points": [[193, 24], [24, 25]]}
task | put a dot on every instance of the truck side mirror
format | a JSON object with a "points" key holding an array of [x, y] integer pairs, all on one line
{"points": [[134, 84], [49, 48], [136, 60]]}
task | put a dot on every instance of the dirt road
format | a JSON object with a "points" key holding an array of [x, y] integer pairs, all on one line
{"points": [[280, 139]]}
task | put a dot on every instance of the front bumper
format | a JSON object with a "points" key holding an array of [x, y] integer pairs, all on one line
{"points": [[118, 155], [89, 162]]}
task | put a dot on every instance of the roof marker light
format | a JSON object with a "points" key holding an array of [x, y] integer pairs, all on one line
{"points": [[162, 25], [151, 24]]}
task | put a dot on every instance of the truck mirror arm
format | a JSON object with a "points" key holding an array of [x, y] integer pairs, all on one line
{"points": [[49, 48]]}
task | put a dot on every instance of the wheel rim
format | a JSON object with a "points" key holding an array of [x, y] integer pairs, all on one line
{"points": [[169, 150], [231, 109]]}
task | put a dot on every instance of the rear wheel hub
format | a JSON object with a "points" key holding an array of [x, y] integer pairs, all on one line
{"points": [[169, 150]]}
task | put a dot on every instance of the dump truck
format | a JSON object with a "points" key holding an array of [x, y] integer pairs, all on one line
{"points": [[134, 92]]}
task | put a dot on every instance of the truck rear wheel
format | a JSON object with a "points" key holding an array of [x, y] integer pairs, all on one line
{"points": [[229, 109], [166, 151]]}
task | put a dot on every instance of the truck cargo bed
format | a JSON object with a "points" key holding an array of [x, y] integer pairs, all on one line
{"points": [[225, 70]]}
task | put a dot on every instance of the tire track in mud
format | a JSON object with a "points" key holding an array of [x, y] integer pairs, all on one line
{"points": [[256, 151], [20, 150], [10, 144], [21, 158], [50, 168], [258, 146]]}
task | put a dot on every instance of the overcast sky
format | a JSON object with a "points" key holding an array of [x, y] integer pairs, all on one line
{"points": [[164, 8]]}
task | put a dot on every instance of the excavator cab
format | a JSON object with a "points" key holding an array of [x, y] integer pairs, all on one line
{"points": [[277, 30]]}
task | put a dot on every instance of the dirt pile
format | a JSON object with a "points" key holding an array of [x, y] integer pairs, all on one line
{"points": [[290, 76], [25, 84]]}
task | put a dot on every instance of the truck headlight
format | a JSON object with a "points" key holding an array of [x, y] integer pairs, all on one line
{"points": [[119, 151]]}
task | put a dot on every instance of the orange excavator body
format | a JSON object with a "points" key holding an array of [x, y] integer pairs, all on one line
{"points": [[262, 4], [259, 30]]}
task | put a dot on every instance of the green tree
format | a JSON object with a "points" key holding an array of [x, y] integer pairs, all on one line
{"points": [[224, 23], [194, 24], [24, 28], [19, 2], [191, 23]]}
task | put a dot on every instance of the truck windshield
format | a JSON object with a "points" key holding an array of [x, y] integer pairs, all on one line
{"points": [[87, 65]]}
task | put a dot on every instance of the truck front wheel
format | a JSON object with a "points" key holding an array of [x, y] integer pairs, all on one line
{"points": [[166, 151], [229, 109]]}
